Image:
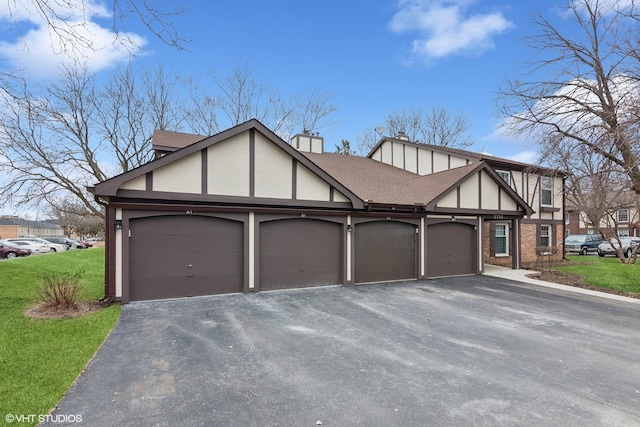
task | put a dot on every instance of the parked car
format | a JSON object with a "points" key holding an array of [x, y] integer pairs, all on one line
{"points": [[628, 246], [79, 244], [582, 243], [8, 251], [87, 243], [34, 247], [56, 247], [53, 247], [70, 243]]}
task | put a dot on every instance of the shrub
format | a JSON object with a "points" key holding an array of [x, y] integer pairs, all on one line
{"points": [[60, 290]]}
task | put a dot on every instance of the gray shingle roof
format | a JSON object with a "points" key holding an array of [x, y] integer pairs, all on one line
{"points": [[165, 140], [26, 223], [377, 182]]}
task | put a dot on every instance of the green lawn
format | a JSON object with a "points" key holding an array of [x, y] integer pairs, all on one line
{"points": [[606, 272], [40, 359]]}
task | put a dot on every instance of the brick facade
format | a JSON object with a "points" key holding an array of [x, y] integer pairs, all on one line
{"points": [[528, 245]]}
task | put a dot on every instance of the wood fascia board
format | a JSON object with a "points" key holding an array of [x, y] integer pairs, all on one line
{"points": [[212, 199]]}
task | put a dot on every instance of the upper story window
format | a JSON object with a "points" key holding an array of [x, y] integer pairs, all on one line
{"points": [[623, 215], [546, 191], [505, 175]]}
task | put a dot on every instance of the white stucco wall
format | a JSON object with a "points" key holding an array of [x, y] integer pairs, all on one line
{"points": [[273, 170], [139, 183], [228, 165], [181, 176], [310, 187]]}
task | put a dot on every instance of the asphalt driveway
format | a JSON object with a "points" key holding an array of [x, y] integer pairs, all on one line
{"points": [[449, 352]]}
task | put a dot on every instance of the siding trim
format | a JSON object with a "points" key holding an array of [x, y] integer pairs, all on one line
{"points": [[252, 162], [205, 170]]}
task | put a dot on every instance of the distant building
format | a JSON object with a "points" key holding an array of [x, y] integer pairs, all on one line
{"points": [[12, 227], [622, 219]]}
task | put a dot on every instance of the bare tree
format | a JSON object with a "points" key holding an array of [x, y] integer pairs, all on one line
{"points": [[345, 148], [73, 217], [69, 20], [581, 90], [596, 189], [437, 126], [58, 139], [241, 95]]}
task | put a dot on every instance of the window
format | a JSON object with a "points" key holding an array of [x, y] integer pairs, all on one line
{"points": [[545, 236], [546, 191], [505, 175], [502, 240], [623, 232], [623, 215]]}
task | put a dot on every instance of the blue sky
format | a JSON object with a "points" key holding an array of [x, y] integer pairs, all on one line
{"points": [[375, 57]]}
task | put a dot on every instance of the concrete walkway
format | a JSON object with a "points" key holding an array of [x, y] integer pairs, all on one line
{"points": [[521, 276]]}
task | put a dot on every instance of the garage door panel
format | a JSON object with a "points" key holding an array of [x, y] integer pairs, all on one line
{"points": [[451, 249], [176, 256], [298, 253], [385, 250]]}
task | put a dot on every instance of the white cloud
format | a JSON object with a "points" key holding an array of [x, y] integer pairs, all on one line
{"points": [[71, 35], [531, 157], [447, 27]]}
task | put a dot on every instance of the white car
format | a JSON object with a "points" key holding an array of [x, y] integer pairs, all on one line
{"points": [[27, 243], [57, 247], [628, 246]]}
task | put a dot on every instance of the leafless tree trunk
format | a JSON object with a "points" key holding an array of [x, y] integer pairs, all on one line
{"points": [[581, 91], [435, 127], [69, 135]]}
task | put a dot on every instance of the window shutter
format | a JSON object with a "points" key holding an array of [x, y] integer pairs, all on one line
{"points": [[538, 236], [492, 239]]}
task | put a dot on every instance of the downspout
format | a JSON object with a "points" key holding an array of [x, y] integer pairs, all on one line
{"points": [[106, 299], [564, 217]]}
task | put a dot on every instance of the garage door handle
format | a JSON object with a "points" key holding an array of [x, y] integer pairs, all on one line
{"points": [[189, 275]]}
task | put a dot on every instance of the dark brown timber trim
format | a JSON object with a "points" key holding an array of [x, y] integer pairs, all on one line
{"points": [[294, 178], [252, 162], [205, 167]]}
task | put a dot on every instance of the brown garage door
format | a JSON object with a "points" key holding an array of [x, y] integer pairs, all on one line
{"points": [[297, 253], [384, 250], [184, 255], [451, 249]]}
